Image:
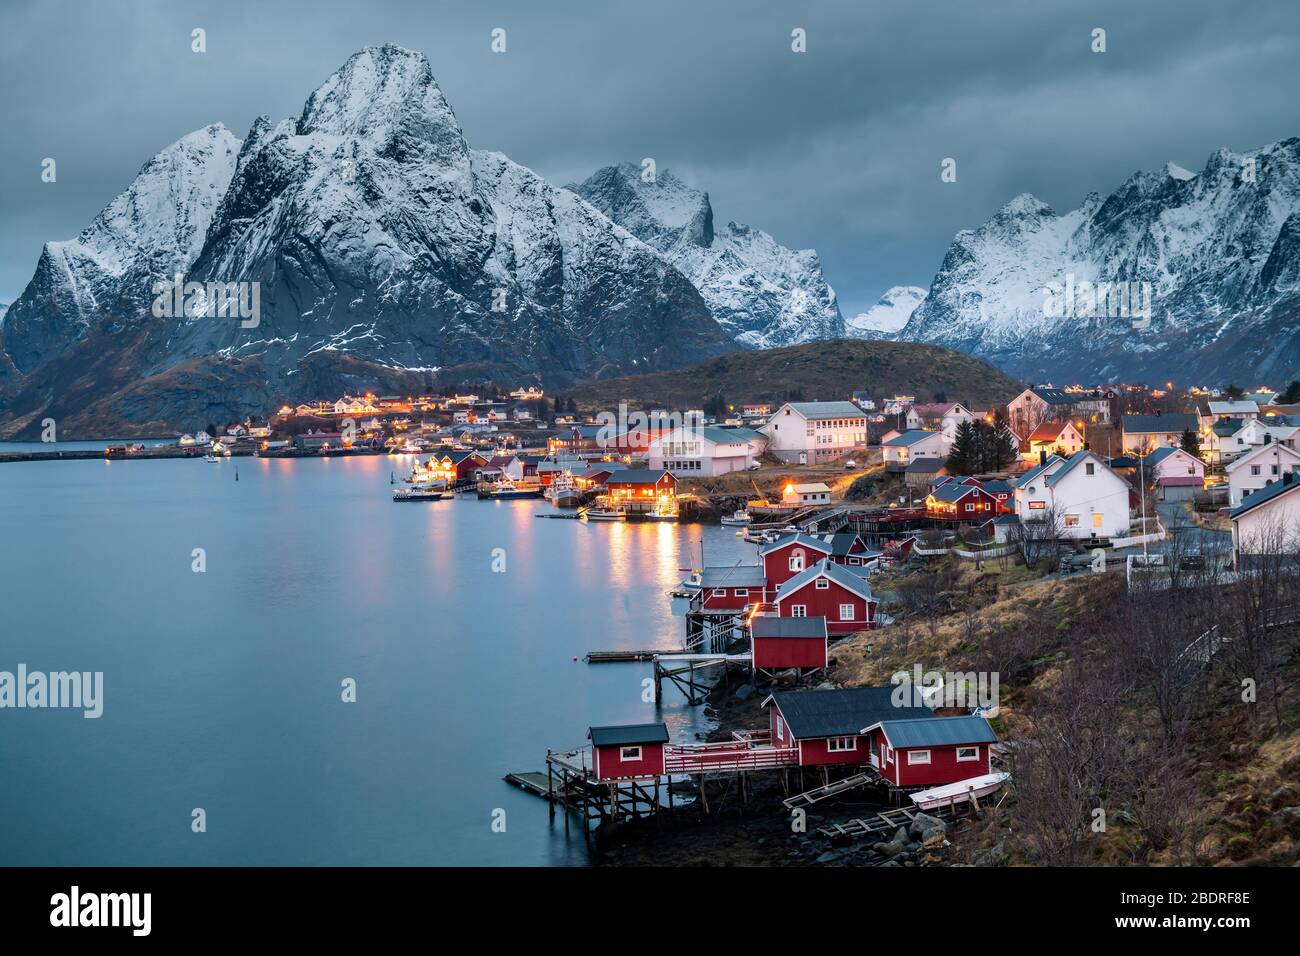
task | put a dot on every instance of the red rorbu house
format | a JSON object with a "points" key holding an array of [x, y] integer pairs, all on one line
{"points": [[628, 751], [832, 591], [579, 438], [827, 726], [930, 752], [595, 476], [642, 490], [795, 552], [958, 501], [783, 643], [904, 741], [730, 588]]}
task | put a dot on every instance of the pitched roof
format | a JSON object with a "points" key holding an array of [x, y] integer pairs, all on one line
{"points": [[1054, 396], [1049, 431], [934, 409], [620, 734], [910, 437], [1269, 492], [733, 576], [637, 476], [998, 486], [924, 465], [797, 537], [1238, 407], [953, 491], [827, 568], [1037, 470], [1073, 462], [1170, 424], [768, 625], [723, 434], [1262, 451], [833, 713], [937, 731], [815, 487], [827, 409]]}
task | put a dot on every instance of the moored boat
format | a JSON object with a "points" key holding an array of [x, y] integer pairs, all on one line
{"points": [[959, 792], [420, 494], [505, 490], [738, 518], [563, 493], [603, 513]]}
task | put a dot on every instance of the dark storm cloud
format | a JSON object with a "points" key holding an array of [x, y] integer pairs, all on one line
{"points": [[837, 149]]}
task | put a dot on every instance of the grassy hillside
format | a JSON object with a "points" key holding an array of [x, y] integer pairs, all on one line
{"points": [[817, 371]]}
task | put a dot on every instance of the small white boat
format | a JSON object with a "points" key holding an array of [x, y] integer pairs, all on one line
{"points": [[420, 494], [959, 792], [562, 492], [661, 516], [211, 458], [741, 517], [604, 514]]}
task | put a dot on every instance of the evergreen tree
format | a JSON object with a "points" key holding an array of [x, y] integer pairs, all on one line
{"points": [[964, 456], [1005, 445], [1191, 442], [1233, 392], [1291, 395]]}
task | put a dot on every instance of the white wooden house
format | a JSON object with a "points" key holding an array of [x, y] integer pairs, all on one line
{"points": [[1258, 468], [1081, 493]]}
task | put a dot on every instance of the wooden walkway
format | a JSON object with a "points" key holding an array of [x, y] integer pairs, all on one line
{"points": [[825, 792], [610, 657], [884, 822]]}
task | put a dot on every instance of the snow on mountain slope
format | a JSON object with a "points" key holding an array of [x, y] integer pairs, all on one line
{"points": [[884, 319], [372, 232], [760, 292], [153, 229], [1199, 272]]}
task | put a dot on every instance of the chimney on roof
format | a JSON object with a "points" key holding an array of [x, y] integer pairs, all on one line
{"points": [[1042, 456], [1287, 477]]}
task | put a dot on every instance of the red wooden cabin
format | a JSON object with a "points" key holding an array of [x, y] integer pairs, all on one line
{"points": [[959, 501], [832, 591], [930, 752], [791, 555], [730, 588], [781, 643], [628, 751], [827, 726], [639, 489]]}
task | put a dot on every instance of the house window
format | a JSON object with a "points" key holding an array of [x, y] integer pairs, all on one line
{"points": [[889, 754], [1036, 505], [841, 744], [719, 592], [1096, 520], [799, 610], [969, 506], [1089, 469], [846, 612], [823, 584], [1254, 470], [742, 592], [968, 753], [796, 562], [917, 756], [629, 753], [1072, 521], [780, 729]]}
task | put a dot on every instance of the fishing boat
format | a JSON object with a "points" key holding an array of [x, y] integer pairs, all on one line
{"points": [[563, 493], [420, 494], [959, 792], [604, 513], [506, 490], [738, 518], [661, 516], [211, 458]]}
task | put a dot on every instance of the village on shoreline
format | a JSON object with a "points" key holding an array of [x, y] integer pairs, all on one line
{"points": [[920, 569]]}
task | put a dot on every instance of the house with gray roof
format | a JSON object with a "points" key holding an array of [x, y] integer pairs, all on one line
{"points": [[812, 433]]}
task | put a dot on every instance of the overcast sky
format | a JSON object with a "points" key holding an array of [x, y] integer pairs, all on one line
{"points": [[838, 148]]}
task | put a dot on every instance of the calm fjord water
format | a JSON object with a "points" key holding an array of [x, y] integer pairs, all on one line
{"points": [[222, 689]]}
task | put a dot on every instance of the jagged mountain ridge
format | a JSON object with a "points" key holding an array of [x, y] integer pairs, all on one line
{"points": [[373, 232], [1218, 251], [763, 294]]}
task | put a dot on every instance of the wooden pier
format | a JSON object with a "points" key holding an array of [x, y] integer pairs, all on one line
{"points": [[612, 657]]}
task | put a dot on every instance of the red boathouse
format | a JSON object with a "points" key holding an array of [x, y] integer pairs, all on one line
{"points": [[628, 751], [931, 752], [782, 643], [839, 594]]}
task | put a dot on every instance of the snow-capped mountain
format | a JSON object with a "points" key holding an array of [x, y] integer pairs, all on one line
{"points": [[890, 313], [763, 294], [1191, 276], [153, 229], [377, 241]]}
